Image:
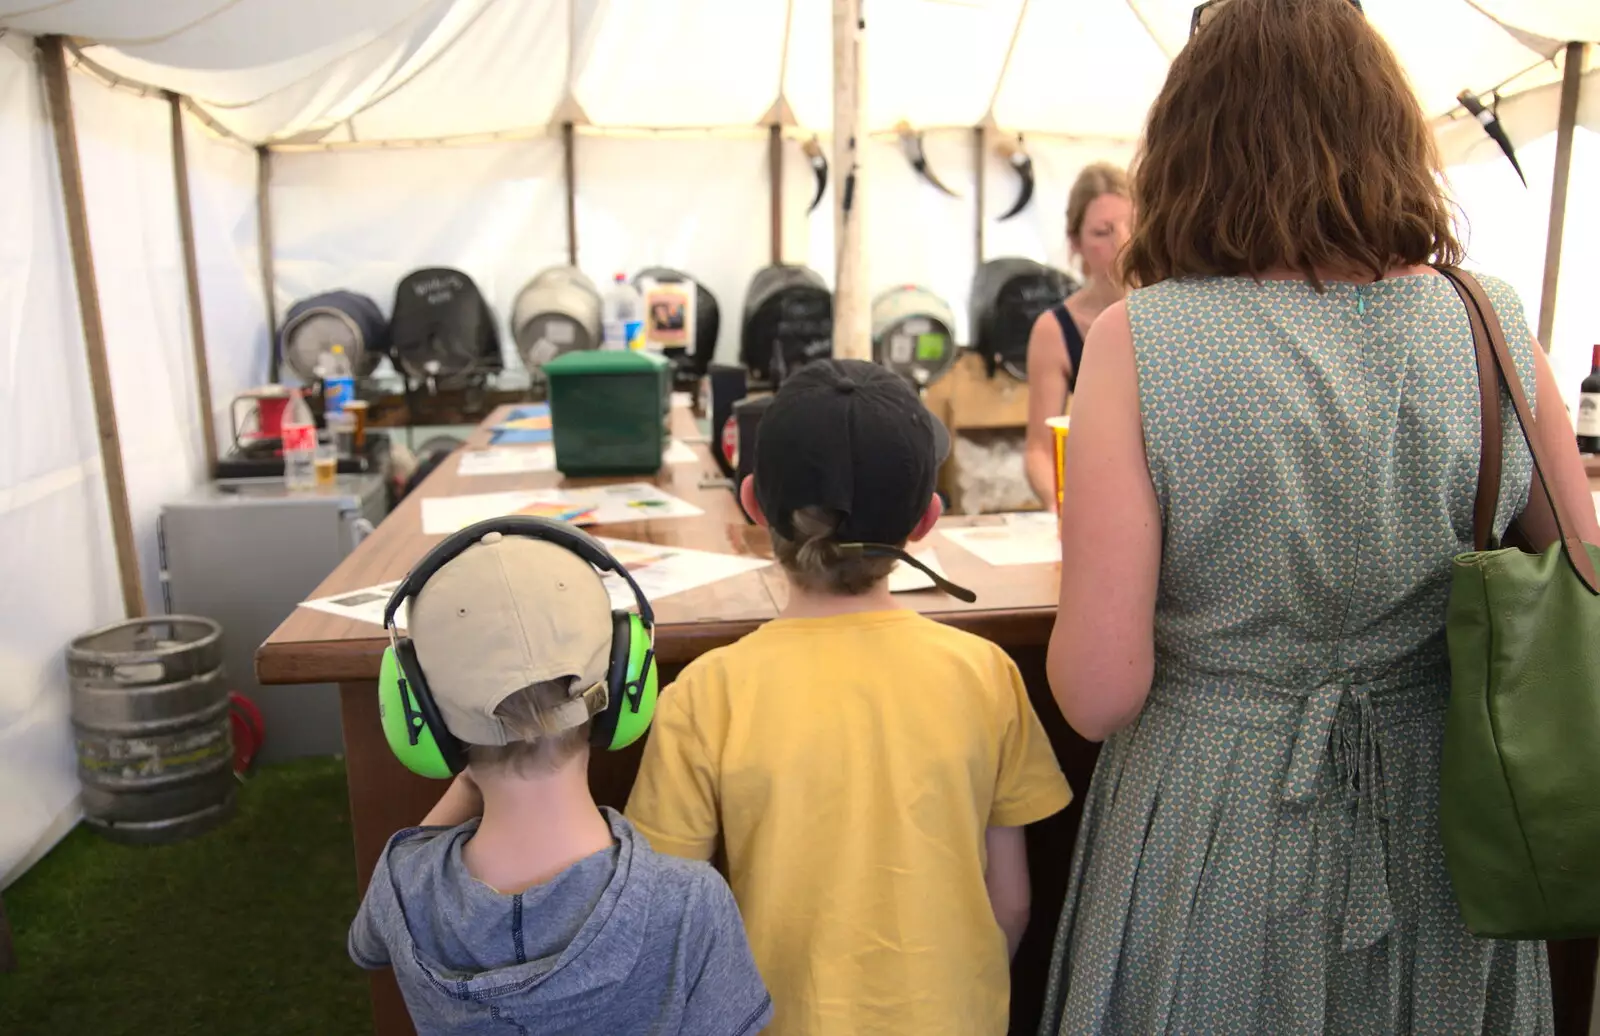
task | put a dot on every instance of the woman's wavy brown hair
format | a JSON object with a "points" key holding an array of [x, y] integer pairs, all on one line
{"points": [[1286, 136]]}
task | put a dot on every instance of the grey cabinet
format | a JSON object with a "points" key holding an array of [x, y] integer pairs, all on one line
{"points": [[244, 553]]}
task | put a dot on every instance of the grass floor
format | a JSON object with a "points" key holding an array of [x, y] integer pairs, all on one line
{"points": [[240, 932]]}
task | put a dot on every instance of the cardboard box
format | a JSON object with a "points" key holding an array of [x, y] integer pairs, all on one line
{"points": [[968, 398]]}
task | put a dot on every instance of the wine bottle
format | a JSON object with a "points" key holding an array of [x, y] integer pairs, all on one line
{"points": [[1589, 409]]}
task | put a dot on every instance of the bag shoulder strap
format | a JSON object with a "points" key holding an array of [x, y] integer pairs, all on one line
{"points": [[1495, 368]]}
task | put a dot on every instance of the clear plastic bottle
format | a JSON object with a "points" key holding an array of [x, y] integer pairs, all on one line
{"points": [[299, 444], [338, 379], [622, 316]]}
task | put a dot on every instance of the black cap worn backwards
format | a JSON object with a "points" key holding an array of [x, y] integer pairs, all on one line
{"points": [[851, 437]]}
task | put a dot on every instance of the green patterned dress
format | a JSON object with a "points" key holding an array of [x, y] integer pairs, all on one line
{"points": [[1260, 850]]}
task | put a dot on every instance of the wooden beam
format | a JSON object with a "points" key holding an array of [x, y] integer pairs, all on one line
{"points": [[569, 147], [269, 283], [8, 949], [53, 64], [851, 330], [1571, 81], [980, 143], [775, 188], [191, 275]]}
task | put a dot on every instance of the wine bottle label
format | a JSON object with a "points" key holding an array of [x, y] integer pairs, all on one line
{"points": [[1589, 414]]}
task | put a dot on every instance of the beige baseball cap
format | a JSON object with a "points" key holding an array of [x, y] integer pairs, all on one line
{"points": [[506, 613]]}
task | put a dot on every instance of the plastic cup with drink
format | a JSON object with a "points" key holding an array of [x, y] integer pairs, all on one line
{"points": [[1058, 437]]}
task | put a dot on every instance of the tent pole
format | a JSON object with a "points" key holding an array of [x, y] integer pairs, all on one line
{"points": [[569, 160], [53, 63], [191, 275], [980, 145], [775, 188], [850, 329], [8, 950], [1572, 77], [269, 287]]}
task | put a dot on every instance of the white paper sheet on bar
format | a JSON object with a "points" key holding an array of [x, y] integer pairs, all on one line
{"points": [[521, 460], [624, 502], [508, 460], [1023, 538], [364, 605], [659, 571]]}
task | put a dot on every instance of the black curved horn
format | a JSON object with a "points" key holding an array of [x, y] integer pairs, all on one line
{"points": [[819, 169], [911, 145], [1022, 162], [1491, 125]]}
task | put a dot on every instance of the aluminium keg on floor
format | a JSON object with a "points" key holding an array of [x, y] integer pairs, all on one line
{"points": [[913, 334], [150, 715]]}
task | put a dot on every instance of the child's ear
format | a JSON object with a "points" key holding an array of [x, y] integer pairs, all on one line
{"points": [[929, 517], [747, 497]]}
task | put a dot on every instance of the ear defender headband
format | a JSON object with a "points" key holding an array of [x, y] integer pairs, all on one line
{"points": [[412, 723]]}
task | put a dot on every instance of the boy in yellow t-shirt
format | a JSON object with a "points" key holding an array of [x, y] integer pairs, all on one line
{"points": [[868, 771]]}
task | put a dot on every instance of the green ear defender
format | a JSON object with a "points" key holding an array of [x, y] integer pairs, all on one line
{"points": [[412, 723]]}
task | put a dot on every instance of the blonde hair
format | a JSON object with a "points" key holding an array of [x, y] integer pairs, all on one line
{"points": [[814, 560], [536, 749], [1094, 180]]}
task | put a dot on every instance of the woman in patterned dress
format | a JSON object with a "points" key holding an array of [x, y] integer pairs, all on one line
{"points": [[1272, 463]]}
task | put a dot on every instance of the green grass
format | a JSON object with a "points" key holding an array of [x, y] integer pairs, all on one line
{"points": [[240, 932]]}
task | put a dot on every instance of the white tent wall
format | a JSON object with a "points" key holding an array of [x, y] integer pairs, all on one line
{"points": [[701, 205], [227, 240], [57, 567], [362, 219], [1504, 227]]}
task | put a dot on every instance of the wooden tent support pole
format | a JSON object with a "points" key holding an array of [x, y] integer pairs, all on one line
{"points": [[980, 145], [191, 275], [851, 331], [569, 161], [269, 284], [8, 949], [1571, 79], [775, 188], [53, 63]]}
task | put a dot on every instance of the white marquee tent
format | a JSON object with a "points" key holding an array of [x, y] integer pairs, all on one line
{"points": [[405, 133]]}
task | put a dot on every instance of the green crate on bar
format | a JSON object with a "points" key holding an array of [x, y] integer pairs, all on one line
{"points": [[608, 411]]}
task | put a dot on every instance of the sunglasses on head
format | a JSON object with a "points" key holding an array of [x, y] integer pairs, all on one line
{"points": [[1208, 10]]}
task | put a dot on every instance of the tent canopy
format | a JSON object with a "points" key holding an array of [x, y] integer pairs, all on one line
{"points": [[306, 71]]}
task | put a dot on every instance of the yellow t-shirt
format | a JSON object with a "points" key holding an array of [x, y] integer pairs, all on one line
{"points": [[850, 765]]}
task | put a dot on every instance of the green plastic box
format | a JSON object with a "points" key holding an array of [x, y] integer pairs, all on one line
{"points": [[608, 411]]}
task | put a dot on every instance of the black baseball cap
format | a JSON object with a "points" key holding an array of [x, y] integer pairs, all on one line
{"points": [[851, 437]]}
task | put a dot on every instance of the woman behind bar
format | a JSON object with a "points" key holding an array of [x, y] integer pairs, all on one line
{"points": [[1098, 214], [1273, 459]]}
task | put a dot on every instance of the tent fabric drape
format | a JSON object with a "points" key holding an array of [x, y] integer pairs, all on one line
{"points": [[375, 70], [58, 568]]}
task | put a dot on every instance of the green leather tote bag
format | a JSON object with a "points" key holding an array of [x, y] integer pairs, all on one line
{"points": [[1519, 807]]}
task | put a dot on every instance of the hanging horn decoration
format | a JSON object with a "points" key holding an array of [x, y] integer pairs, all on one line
{"points": [[819, 169], [911, 145], [1491, 125], [1016, 154]]}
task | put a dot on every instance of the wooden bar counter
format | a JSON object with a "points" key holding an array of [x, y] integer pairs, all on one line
{"points": [[1015, 609]]}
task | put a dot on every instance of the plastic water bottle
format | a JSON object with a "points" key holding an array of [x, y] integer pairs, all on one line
{"points": [[622, 316], [299, 444], [338, 380]]}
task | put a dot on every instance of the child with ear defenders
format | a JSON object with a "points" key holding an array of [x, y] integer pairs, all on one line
{"points": [[867, 771], [549, 915]]}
